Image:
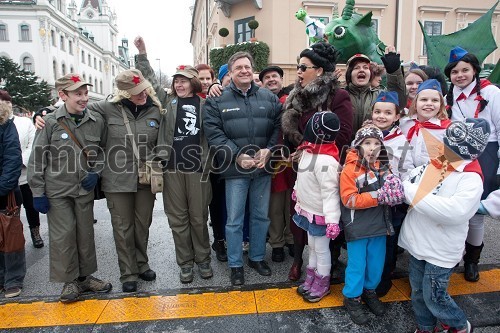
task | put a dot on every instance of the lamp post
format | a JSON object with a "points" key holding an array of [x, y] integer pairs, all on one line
{"points": [[159, 68]]}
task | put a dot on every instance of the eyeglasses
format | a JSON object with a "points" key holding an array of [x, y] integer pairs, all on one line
{"points": [[304, 68]]}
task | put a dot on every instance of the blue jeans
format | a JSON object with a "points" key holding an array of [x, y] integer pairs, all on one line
{"points": [[258, 191], [430, 299]]}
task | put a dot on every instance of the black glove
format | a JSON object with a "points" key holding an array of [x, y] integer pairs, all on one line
{"points": [[392, 62], [89, 182]]}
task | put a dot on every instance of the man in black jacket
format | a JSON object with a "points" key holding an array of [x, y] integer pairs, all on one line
{"points": [[243, 126]]}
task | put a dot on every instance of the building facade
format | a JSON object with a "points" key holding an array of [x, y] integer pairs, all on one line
{"points": [[54, 37], [395, 21]]}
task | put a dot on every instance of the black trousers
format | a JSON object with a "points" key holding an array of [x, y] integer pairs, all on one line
{"points": [[32, 215]]}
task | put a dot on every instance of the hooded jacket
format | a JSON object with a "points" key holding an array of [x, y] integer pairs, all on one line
{"points": [[321, 94], [362, 217], [10, 155]]}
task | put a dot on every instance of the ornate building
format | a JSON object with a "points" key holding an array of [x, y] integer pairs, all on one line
{"points": [[54, 37], [395, 22]]}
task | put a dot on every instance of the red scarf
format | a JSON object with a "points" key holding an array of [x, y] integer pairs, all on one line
{"points": [[395, 133], [426, 124], [473, 166], [322, 148], [482, 84], [408, 103], [202, 95]]}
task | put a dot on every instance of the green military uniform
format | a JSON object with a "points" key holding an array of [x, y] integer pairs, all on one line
{"points": [[186, 194], [56, 169], [130, 203]]}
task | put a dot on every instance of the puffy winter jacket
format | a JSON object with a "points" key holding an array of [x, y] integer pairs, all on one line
{"points": [[237, 123]]}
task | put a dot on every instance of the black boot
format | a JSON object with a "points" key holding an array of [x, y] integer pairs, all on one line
{"points": [[219, 247], [36, 238], [471, 260]]}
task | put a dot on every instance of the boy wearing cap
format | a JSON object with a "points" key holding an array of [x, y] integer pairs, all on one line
{"points": [[444, 194], [62, 174], [358, 77]]}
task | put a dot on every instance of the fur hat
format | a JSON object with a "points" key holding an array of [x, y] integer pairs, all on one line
{"points": [[70, 82], [369, 130], [430, 84], [322, 127], [186, 71], [467, 139], [132, 81], [322, 54], [222, 72]]}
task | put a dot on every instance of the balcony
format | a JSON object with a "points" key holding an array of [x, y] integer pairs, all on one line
{"points": [[225, 5]]}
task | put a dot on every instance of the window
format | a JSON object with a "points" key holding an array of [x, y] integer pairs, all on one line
{"points": [[95, 85], [100, 65], [25, 33], [83, 57], [70, 47], [53, 37], [375, 26], [63, 69], [89, 62], [90, 81], [28, 64], [61, 43], [100, 87], [95, 63], [59, 5], [71, 69], [432, 28], [113, 70], [3, 32], [54, 68], [242, 32]]}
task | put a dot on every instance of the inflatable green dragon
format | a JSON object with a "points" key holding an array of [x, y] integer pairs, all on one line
{"points": [[352, 33]]}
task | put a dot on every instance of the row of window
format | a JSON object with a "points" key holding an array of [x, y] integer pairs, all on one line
{"points": [[242, 32], [24, 33]]}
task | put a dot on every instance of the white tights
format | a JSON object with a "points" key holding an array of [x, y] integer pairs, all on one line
{"points": [[476, 230], [319, 254]]}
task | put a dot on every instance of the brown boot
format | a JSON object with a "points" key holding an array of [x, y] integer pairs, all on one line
{"points": [[36, 238]]}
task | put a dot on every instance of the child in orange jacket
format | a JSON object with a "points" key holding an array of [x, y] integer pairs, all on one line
{"points": [[366, 189]]}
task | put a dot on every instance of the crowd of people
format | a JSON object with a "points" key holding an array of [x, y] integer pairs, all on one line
{"points": [[316, 164]]}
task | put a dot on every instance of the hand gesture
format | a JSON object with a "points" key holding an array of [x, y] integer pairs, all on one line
{"points": [[140, 44], [245, 161], [261, 157]]}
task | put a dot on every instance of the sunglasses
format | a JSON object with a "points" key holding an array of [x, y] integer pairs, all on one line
{"points": [[304, 68]]}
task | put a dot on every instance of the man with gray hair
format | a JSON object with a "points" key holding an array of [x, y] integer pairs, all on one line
{"points": [[243, 127]]}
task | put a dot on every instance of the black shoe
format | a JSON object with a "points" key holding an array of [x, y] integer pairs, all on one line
{"points": [[260, 266], [148, 275], [220, 250], [278, 254], [291, 250], [36, 238], [95, 221], [237, 276], [355, 310], [374, 304], [129, 287], [383, 287], [471, 272]]}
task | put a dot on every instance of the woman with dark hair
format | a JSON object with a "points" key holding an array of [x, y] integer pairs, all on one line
{"points": [[316, 89], [470, 97], [206, 75], [184, 150]]}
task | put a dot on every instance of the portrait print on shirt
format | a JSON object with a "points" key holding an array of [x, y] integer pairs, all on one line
{"points": [[189, 121]]}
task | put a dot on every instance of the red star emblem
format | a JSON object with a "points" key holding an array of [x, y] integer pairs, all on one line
{"points": [[75, 78], [382, 98], [136, 79], [181, 67]]}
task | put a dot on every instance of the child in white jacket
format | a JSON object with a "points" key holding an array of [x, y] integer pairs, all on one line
{"points": [[443, 195], [318, 201]]}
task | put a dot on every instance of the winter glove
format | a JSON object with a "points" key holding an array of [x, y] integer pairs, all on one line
{"points": [[392, 62], [392, 192], [481, 210], [89, 182], [41, 204], [332, 230]]}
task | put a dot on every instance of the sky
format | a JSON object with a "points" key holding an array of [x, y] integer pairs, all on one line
{"points": [[165, 26]]}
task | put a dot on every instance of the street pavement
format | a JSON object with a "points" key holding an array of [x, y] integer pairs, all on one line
{"points": [[482, 309]]}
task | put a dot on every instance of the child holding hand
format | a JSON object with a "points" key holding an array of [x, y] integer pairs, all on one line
{"points": [[318, 203]]}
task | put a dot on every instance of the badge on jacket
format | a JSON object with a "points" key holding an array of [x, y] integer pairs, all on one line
{"points": [[152, 123], [64, 136]]}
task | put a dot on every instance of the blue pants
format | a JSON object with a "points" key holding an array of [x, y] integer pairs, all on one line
{"points": [[365, 262], [258, 191], [430, 299]]}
